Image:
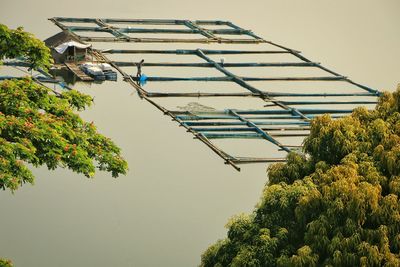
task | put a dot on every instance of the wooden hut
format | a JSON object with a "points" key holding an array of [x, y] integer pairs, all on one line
{"points": [[67, 48]]}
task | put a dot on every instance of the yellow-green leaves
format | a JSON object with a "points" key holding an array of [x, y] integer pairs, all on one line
{"points": [[336, 205], [18, 43], [5, 263]]}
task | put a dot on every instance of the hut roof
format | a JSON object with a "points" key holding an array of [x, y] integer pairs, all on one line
{"points": [[59, 38]]}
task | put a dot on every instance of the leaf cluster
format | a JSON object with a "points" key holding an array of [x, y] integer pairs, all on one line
{"points": [[39, 128], [335, 205], [21, 44], [5, 263]]}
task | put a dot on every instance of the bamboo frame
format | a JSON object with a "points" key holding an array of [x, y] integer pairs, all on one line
{"points": [[192, 27], [267, 124]]}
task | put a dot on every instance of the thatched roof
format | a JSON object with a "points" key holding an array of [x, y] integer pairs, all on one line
{"points": [[59, 38]]}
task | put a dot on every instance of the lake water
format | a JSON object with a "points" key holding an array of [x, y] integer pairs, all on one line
{"points": [[178, 194]]}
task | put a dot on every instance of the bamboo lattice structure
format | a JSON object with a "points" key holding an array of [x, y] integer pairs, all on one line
{"points": [[278, 119]]}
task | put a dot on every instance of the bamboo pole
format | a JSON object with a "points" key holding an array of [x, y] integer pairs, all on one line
{"points": [[324, 103], [249, 129], [241, 123], [142, 21], [193, 30], [167, 40], [209, 65], [266, 111], [240, 79], [192, 52], [194, 117], [248, 135], [200, 94], [247, 160]]}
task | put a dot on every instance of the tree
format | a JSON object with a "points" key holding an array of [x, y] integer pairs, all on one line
{"points": [[40, 128], [337, 204], [5, 263]]}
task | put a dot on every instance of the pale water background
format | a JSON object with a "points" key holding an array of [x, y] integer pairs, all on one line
{"points": [[178, 194]]}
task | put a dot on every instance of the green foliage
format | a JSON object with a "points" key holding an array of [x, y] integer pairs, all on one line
{"points": [[337, 206], [18, 43], [40, 128], [5, 263]]}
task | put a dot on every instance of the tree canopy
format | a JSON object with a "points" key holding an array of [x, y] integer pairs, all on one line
{"points": [[39, 128], [5, 263], [19, 43], [336, 204]]}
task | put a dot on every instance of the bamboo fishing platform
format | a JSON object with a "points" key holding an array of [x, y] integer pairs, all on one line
{"points": [[78, 72], [284, 115]]}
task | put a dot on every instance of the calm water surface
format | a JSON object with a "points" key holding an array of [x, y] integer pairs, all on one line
{"points": [[178, 195]]}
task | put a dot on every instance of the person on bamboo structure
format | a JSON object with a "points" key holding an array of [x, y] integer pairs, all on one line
{"points": [[139, 71]]}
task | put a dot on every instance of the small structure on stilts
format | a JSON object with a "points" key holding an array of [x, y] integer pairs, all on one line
{"points": [[66, 47], [69, 51]]}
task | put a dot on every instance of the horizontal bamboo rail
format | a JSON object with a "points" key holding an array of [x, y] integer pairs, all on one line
{"points": [[142, 21], [280, 117], [229, 78], [248, 160], [272, 94], [193, 52], [237, 123], [249, 135], [249, 129], [266, 111], [324, 103], [167, 40], [164, 31], [210, 65]]}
